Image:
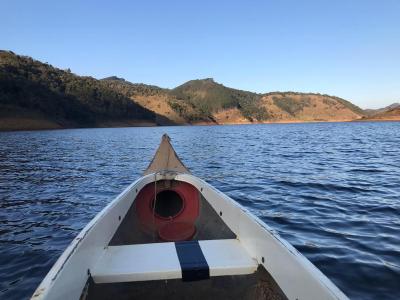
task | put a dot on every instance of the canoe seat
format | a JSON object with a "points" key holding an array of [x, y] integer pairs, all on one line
{"points": [[189, 260]]}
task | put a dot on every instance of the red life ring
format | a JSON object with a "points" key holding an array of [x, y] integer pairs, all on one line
{"points": [[177, 231], [176, 208]]}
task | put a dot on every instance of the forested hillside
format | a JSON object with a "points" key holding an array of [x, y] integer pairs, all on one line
{"points": [[36, 95], [61, 96]]}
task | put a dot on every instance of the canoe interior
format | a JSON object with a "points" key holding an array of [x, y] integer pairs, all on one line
{"points": [[209, 226], [259, 285]]}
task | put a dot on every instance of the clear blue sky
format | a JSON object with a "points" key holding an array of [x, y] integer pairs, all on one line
{"points": [[346, 48]]}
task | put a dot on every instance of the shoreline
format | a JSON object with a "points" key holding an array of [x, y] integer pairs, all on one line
{"points": [[152, 124]]}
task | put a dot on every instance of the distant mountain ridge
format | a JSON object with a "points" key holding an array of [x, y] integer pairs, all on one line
{"points": [[371, 112], [206, 101], [35, 95], [388, 113]]}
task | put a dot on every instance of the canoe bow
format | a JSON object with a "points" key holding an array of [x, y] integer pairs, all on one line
{"points": [[166, 159]]}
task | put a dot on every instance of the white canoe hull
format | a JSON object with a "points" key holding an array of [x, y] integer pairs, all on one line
{"points": [[297, 277]]}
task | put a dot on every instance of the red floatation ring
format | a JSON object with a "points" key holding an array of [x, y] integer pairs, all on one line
{"points": [[176, 211], [177, 231]]}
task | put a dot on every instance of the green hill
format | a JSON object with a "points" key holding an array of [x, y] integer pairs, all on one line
{"points": [[62, 96], [293, 102], [207, 97]]}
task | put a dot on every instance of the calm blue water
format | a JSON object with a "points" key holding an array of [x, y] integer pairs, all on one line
{"points": [[331, 189]]}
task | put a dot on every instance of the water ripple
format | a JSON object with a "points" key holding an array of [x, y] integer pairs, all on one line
{"points": [[331, 190]]}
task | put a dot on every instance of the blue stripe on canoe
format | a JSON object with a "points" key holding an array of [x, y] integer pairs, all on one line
{"points": [[193, 263]]}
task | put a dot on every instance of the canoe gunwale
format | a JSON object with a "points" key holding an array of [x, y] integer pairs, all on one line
{"points": [[48, 282]]}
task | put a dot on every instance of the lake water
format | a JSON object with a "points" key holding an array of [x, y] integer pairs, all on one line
{"points": [[331, 189]]}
